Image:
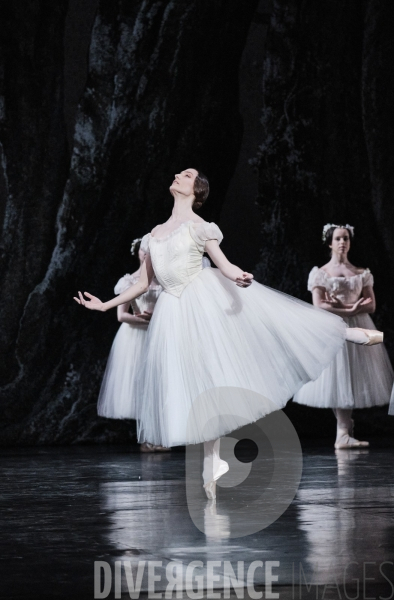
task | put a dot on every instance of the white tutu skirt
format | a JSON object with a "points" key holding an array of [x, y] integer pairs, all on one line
{"points": [[116, 399], [391, 407], [217, 336], [358, 377]]}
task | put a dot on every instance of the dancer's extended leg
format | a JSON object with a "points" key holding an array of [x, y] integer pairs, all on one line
{"points": [[366, 337]]}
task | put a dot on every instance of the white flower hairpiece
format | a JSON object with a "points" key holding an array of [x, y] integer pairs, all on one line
{"points": [[351, 229], [133, 245], [328, 226]]}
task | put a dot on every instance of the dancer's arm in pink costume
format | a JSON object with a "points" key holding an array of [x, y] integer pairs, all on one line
{"points": [[334, 305], [124, 316], [367, 304]]}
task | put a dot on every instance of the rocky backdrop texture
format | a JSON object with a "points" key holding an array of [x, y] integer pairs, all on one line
{"points": [[101, 101]]}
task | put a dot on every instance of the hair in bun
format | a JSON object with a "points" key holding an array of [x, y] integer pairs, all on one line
{"points": [[201, 190]]}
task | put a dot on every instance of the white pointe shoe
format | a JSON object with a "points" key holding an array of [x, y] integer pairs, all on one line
{"points": [[210, 490], [374, 336], [346, 442], [210, 487]]}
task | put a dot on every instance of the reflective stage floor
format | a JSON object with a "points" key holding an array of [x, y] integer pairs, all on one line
{"points": [[63, 509]]}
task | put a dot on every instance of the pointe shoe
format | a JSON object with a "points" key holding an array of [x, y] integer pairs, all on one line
{"points": [[374, 336], [147, 447], [161, 449], [210, 487], [346, 442], [210, 490]]}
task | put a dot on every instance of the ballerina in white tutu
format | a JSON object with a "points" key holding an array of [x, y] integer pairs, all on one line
{"points": [[116, 398], [357, 377], [245, 352]]}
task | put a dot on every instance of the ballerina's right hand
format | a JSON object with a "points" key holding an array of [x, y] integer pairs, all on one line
{"points": [[335, 302], [92, 304], [244, 280], [145, 316]]}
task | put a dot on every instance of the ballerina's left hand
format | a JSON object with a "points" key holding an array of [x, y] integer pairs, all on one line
{"points": [[244, 280], [335, 302], [92, 304]]}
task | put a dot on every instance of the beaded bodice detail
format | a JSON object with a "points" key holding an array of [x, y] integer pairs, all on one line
{"points": [[346, 289], [177, 259]]}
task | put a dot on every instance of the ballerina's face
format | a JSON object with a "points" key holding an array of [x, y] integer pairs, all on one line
{"points": [[184, 182], [340, 241]]}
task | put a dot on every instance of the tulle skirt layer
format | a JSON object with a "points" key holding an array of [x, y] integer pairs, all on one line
{"points": [[358, 377], [221, 356], [117, 398], [391, 407]]}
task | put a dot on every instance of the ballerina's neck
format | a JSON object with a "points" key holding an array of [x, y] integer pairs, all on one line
{"points": [[339, 260], [182, 208], [341, 268]]}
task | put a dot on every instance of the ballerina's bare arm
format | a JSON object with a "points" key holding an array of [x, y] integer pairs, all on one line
{"points": [[132, 292], [124, 316], [368, 294], [319, 297], [241, 278]]}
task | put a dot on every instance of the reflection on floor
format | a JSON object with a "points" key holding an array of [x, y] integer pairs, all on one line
{"points": [[64, 508]]}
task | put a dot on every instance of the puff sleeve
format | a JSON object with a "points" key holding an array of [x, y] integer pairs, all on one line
{"points": [[317, 278], [203, 232], [367, 278], [144, 246], [124, 283]]}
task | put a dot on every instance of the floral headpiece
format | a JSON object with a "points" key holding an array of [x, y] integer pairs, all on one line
{"points": [[328, 226], [133, 245]]}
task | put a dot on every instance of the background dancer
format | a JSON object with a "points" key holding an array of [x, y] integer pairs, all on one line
{"points": [[357, 377], [116, 398]]}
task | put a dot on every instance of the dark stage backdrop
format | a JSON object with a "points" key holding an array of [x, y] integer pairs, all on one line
{"points": [[287, 105]]}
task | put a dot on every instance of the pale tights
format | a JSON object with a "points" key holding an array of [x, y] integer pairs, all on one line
{"points": [[214, 466], [344, 418], [344, 425], [344, 415]]}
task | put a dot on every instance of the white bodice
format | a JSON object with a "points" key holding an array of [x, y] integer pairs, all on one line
{"points": [[145, 302], [177, 259], [346, 289]]}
